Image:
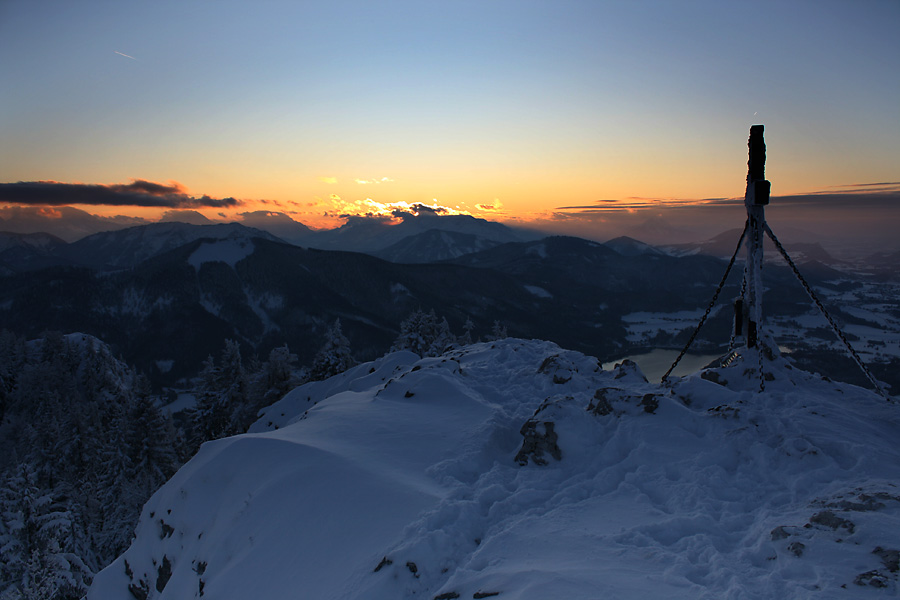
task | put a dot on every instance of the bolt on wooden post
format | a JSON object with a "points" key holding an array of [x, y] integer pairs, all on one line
{"points": [[748, 308]]}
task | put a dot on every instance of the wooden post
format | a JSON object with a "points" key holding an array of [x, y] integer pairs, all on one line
{"points": [[755, 199]]}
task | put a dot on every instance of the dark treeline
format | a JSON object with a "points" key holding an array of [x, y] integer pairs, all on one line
{"points": [[84, 444]]}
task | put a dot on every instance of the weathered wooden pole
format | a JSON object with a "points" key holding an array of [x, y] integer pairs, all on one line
{"points": [[748, 310]]}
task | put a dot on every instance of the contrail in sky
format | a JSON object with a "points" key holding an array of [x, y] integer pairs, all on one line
{"points": [[125, 55]]}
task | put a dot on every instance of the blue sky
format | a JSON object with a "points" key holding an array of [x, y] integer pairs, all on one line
{"points": [[520, 106]]}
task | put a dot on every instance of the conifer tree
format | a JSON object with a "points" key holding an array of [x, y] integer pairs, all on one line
{"points": [[12, 360], [467, 332], [38, 543], [86, 447], [498, 332], [423, 334], [226, 404], [334, 356], [277, 375]]}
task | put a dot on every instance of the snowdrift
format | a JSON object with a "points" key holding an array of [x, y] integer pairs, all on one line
{"points": [[518, 470]]}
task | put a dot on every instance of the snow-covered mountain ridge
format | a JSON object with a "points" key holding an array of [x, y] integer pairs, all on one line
{"points": [[408, 478]]}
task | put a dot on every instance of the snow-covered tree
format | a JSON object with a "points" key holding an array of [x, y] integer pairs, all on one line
{"points": [[150, 440], [82, 447], [498, 332], [222, 403], [334, 356], [38, 543], [467, 332], [12, 359], [276, 376], [424, 334]]}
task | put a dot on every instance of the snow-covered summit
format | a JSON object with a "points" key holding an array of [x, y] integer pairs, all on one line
{"points": [[128, 247], [627, 246], [518, 470]]}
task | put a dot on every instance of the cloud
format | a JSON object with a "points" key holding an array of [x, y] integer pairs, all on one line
{"points": [[419, 210], [65, 222], [373, 181], [884, 184], [634, 203], [125, 55], [400, 210], [492, 207], [136, 193], [851, 197], [856, 196], [328, 179], [860, 212]]}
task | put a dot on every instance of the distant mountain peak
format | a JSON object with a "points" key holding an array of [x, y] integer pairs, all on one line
{"points": [[628, 246], [40, 240], [434, 245], [128, 247], [375, 234], [192, 217]]}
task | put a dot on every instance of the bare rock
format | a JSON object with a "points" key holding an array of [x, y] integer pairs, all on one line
{"points": [[828, 519], [540, 439]]}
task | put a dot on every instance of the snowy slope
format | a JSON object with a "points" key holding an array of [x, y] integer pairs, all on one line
{"points": [[128, 247], [518, 470], [373, 234], [627, 246], [434, 245]]}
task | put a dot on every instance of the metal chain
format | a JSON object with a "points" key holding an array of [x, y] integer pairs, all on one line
{"points": [[824, 312], [712, 303], [759, 355]]}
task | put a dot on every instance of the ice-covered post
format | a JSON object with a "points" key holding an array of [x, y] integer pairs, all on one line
{"points": [[748, 310]]}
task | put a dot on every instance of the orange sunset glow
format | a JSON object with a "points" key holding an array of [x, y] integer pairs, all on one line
{"points": [[588, 119]]}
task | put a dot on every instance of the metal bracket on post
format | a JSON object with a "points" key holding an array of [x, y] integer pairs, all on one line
{"points": [[738, 317]]}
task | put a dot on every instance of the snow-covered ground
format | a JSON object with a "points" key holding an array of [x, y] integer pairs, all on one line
{"points": [[655, 363], [518, 470], [875, 332], [229, 251], [644, 326]]}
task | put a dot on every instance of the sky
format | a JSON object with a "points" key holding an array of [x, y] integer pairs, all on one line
{"points": [[579, 117]]}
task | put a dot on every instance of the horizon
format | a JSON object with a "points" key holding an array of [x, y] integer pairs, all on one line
{"points": [[810, 220], [588, 119]]}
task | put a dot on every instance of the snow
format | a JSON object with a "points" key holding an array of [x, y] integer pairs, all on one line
{"points": [[210, 305], [873, 303], [655, 363], [538, 249], [184, 400], [402, 478], [538, 291], [228, 251], [261, 304], [643, 326]]}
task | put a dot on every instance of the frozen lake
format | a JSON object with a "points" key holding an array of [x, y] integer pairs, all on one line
{"points": [[655, 363]]}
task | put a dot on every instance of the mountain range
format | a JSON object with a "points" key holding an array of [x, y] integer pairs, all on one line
{"points": [[141, 287], [512, 468]]}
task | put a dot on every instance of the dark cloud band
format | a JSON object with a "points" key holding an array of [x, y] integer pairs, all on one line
{"points": [[136, 193], [857, 196]]}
